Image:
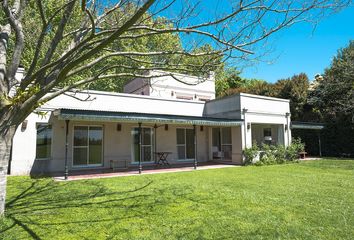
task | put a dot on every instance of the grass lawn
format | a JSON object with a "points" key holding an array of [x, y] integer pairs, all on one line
{"points": [[309, 200]]}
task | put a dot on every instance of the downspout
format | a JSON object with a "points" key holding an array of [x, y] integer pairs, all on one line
{"points": [[66, 169], [155, 146], [245, 125], [140, 166], [287, 115], [10, 160], [195, 148]]}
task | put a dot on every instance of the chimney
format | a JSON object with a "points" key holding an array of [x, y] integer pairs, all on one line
{"points": [[211, 75]]}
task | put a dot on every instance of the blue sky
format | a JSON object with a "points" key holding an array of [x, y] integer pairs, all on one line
{"points": [[300, 49]]}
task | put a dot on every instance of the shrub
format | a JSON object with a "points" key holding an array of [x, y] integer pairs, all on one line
{"points": [[277, 154], [269, 154], [280, 154], [294, 148], [250, 154]]}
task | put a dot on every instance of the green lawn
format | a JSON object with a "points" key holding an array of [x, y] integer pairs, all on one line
{"points": [[309, 200]]}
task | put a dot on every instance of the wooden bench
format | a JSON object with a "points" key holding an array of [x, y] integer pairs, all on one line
{"points": [[302, 155], [118, 164]]}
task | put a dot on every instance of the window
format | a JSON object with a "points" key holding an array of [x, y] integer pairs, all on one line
{"points": [[184, 97], [146, 144], [267, 134], [88, 146], [185, 143], [44, 141]]}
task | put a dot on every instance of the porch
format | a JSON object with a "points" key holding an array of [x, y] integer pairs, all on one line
{"points": [[108, 173], [93, 140]]}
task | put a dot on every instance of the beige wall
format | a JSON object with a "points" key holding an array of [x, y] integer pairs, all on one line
{"points": [[116, 144]]}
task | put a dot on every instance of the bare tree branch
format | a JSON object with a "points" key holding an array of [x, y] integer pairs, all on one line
{"points": [[14, 16]]}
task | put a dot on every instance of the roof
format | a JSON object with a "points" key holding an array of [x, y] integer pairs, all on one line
{"points": [[307, 125], [108, 116], [118, 102], [241, 94]]}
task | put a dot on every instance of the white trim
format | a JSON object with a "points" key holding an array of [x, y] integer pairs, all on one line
{"points": [[263, 97]]}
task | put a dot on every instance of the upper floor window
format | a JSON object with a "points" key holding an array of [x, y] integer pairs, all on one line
{"points": [[184, 97], [44, 141]]}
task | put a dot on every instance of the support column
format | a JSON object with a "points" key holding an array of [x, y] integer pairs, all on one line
{"points": [[288, 133], [140, 166], [195, 148], [155, 146], [319, 144], [246, 131], [66, 169]]}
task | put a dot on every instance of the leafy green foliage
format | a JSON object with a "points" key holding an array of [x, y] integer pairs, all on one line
{"points": [[250, 154], [333, 98], [295, 89], [273, 154]]}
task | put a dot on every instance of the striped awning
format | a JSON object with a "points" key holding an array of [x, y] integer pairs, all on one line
{"points": [[106, 116], [307, 125]]}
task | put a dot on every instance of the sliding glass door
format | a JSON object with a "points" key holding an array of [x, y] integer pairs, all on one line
{"points": [[185, 144], [146, 144], [222, 143], [87, 146]]}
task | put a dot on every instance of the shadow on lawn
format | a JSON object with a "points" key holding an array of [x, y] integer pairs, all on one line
{"points": [[37, 201]]}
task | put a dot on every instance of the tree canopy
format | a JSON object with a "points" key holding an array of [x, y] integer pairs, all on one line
{"points": [[334, 95]]}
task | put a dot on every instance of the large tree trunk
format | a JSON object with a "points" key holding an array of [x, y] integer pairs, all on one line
{"points": [[10, 118], [5, 149]]}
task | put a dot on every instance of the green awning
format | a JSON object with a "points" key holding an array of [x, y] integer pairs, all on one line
{"points": [[106, 116], [307, 125]]}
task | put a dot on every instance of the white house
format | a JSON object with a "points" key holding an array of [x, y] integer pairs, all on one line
{"points": [[155, 118]]}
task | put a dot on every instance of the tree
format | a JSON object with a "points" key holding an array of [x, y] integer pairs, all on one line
{"points": [[295, 89], [334, 95], [227, 79], [77, 43], [333, 98]]}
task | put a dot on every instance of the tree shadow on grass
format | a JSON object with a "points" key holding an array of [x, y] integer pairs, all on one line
{"points": [[26, 208], [29, 209]]}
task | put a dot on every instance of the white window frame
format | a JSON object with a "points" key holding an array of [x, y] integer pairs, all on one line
{"points": [[87, 147]]}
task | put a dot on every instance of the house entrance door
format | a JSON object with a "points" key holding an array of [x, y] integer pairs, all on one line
{"points": [[146, 144]]}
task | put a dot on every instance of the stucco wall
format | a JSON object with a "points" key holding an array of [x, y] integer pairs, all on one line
{"points": [[116, 145], [24, 146], [173, 87], [104, 101]]}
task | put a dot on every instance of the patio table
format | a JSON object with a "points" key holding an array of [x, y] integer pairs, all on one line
{"points": [[162, 158]]}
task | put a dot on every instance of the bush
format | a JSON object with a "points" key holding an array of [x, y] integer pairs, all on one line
{"points": [[250, 154], [275, 154], [292, 151]]}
